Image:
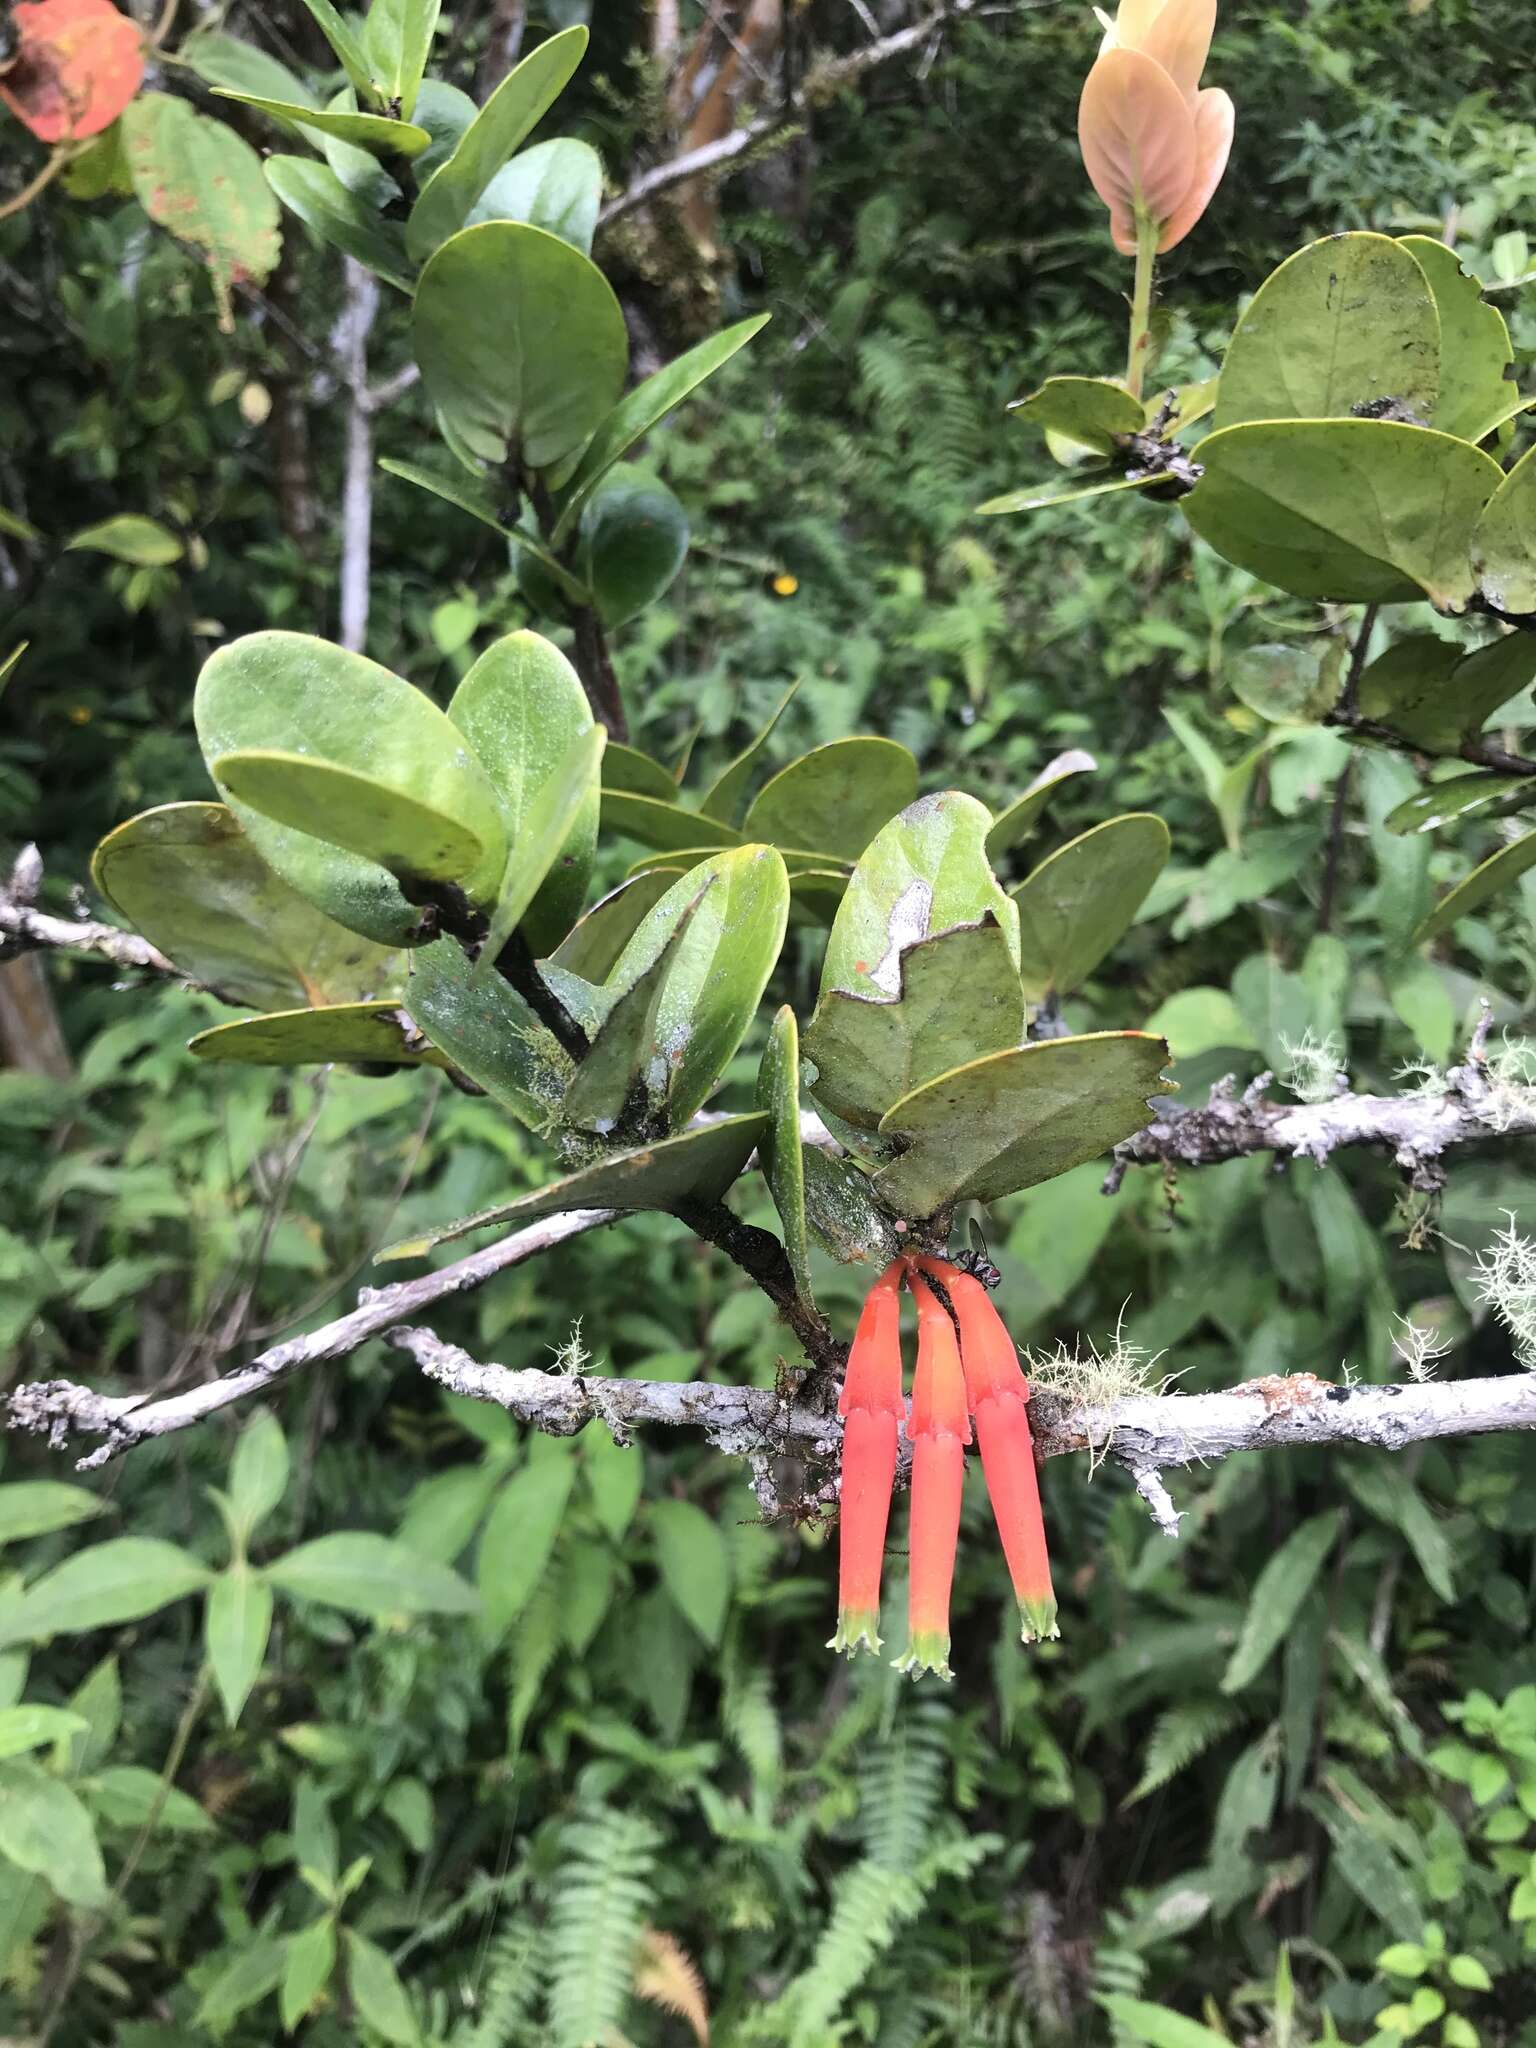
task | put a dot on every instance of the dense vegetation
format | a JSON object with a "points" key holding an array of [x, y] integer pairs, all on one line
{"points": [[1278, 1778]]}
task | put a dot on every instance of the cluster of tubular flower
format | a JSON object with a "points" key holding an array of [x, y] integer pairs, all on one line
{"points": [[1155, 145], [967, 1374]]}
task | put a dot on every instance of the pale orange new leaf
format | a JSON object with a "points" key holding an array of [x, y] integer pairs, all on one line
{"points": [[667, 1976]]}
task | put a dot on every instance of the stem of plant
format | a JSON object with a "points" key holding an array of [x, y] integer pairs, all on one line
{"points": [[1147, 234]]}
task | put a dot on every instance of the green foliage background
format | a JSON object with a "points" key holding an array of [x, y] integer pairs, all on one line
{"points": [[1312, 1721]]}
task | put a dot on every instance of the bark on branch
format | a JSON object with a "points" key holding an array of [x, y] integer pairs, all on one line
{"points": [[1417, 1128], [819, 83], [1148, 1434]]}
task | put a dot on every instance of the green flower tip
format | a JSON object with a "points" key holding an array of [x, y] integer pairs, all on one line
{"points": [[1037, 1621], [857, 1629], [927, 1651]]}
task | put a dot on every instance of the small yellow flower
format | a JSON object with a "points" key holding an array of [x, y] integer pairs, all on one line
{"points": [[785, 585]]}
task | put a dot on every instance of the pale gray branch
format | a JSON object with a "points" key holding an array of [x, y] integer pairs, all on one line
{"points": [[60, 1409], [1417, 1128], [26, 929], [819, 83], [1148, 1434]]}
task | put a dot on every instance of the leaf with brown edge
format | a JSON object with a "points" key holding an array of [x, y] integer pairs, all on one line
{"points": [[204, 184], [78, 64]]}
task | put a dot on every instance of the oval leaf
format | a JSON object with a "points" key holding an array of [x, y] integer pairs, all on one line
{"points": [[1076, 905], [778, 1097], [1475, 349], [557, 186], [1344, 325], [835, 798], [353, 1034], [369, 1575], [521, 342], [699, 1165], [1504, 545], [1019, 1118], [190, 880]]}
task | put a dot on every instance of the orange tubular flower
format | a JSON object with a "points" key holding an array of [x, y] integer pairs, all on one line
{"points": [[872, 1408], [998, 1394], [1155, 145], [939, 1432]]}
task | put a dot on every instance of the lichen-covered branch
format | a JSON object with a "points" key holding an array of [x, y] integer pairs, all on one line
{"points": [[26, 929], [1148, 1434], [1418, 1128]]}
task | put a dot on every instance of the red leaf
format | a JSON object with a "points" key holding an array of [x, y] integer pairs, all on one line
{"points": [[79, 64]]}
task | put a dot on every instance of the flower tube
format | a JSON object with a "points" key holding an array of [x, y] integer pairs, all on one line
{"points": [[872, 1407], [939, 1431], [998, 1394]]}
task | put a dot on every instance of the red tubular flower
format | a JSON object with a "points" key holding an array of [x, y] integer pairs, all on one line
{"points": [[939, 1432], [872, 1408], [998, 1394]]}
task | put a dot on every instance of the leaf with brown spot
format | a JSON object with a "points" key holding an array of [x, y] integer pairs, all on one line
{"points": [[78, 64], [202, 182]]}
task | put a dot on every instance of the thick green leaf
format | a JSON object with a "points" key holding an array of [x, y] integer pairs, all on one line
{"points": [[618, 1073], [1363, 511], [923, 873], [45, 1829], [698, 1165], [1277, 1595], [525, 713], [350, 54], [339, 217], [31, 1725], [121, 1580], [1475, 350], [190, 880], [1446, 803], [369, 1575], [1159, 2027], [203, 182], [129, 537], [1018, 1118], [379, 820], [815, 894], [445, 112], [666, 826], [520, 339], [519, 1538], [37, 1507], [353, 1034], [840, 1207], [1040, 497], [695, 1564], [236, 1625], [289, 693], [1287, 685], [1079, 903], [712, 989], [488, 1032], [1014, 825], [836, 798], [1347, 323], [258, 1472], [625, 768], [1092, 412], [1504, 544], [307, 1969], [474, 498], [381, 1999], [958, 1000], [397, 38], [222, 59], [1438, 695], [521, 100], [557, 186], [377, 133], [1496, 873], [725, 798], [643, 408], [783, 1158], [633, 541], [595, 942]]}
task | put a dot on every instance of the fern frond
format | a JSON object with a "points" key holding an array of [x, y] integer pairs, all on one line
{"points": [[1182, 1734], [511, 1989], [667, 1976], [902, 1786], [871, 1904], [601, 1902], [752, 1723]]}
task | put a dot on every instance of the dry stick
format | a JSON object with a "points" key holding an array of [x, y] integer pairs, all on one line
{"points": [[1147, 1433], [820, 81]]}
